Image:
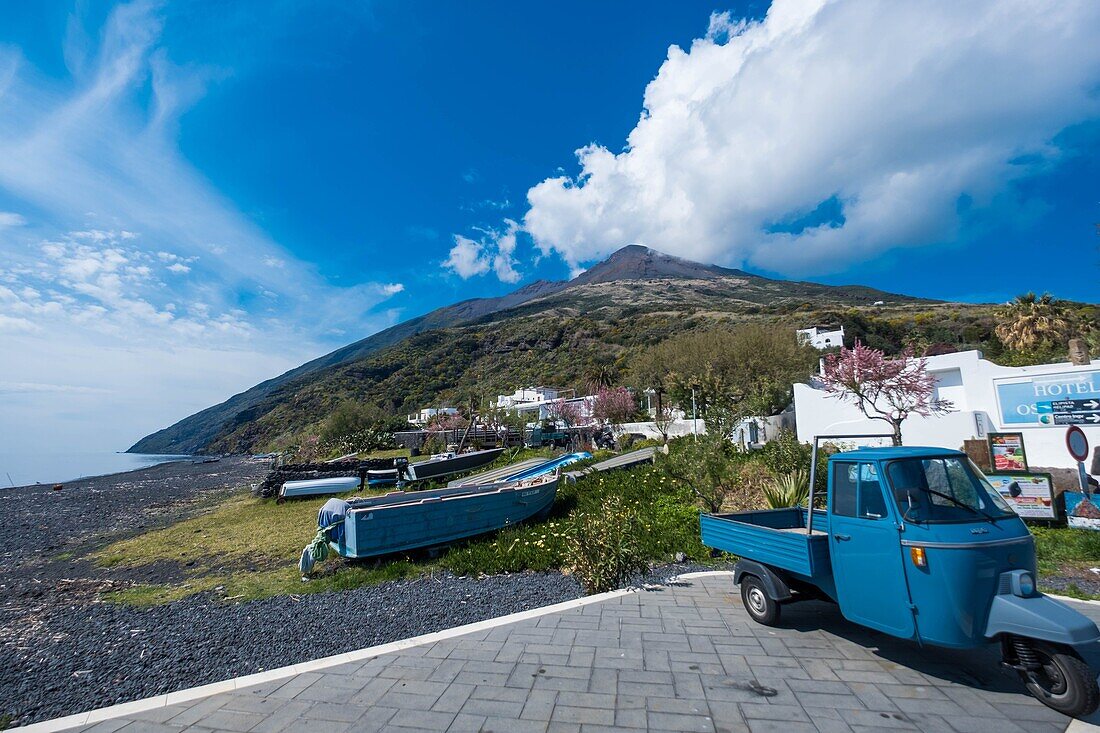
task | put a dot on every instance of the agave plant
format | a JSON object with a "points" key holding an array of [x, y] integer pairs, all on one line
{"points": [[792, 489]]}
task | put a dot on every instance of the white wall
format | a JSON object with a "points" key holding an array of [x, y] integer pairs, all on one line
{"points": [[972, 384]]}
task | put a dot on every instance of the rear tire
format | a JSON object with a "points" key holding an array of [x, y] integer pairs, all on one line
{"points": [[1064, 683], [761, 607]]}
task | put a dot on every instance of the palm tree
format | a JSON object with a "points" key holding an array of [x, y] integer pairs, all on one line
{"points": [[1030, 321]]}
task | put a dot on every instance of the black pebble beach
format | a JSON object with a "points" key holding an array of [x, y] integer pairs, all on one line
{"points": [[63, 651]]}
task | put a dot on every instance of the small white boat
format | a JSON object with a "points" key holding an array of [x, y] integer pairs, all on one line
{"points": [[318, 487]]}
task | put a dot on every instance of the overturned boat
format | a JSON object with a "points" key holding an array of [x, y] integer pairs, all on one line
{"points": [[407, 520], [369, 474]]}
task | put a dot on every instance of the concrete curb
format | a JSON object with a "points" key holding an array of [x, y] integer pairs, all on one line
{"points": [[195, 693]]}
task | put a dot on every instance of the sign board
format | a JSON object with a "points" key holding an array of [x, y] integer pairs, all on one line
{"points": [[1036, 499], [1023, 402], [1006, 452], [1069, 412]]}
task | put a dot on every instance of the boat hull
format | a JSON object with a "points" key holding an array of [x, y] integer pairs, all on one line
{"points": [[429, 519], [318, 486], [457, 464]]}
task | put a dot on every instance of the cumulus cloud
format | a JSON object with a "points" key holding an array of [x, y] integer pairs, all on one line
{"points": [[829, 132], [494, 250]]}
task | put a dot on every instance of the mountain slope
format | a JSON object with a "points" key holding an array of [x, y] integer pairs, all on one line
{"points": [[656, 294]]}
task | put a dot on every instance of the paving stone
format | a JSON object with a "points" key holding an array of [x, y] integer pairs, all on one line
{"points": [[423, 719], [683, 658], [568, 714], [679, 722]]}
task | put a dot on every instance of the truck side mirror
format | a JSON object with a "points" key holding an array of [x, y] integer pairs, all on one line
{"points": [[1014, 490]]}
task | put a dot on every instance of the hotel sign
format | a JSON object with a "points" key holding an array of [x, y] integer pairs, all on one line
{"points": [[1034, 402]]}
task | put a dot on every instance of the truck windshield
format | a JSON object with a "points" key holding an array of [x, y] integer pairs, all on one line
{"points": [[947, 489]]}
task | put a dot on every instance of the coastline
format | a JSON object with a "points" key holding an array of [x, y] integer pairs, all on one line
{"points": [[84, 466]]}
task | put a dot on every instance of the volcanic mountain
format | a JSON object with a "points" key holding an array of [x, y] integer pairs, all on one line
{"points": [[544, 332]]}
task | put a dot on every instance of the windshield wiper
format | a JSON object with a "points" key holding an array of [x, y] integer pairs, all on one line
{"points": [[953, 500]]}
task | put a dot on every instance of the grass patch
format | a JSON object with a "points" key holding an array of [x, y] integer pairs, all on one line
{"points": [[1062, 549], [243, 549]]}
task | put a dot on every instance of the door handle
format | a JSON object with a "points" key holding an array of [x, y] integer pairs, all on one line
{"points": [[842, 537]]}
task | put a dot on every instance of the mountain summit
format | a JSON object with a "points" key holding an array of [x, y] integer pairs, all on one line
{"points": [[544, 332], [635, 262]]}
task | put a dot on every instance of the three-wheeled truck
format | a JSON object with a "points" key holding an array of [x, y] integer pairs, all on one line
{"points": [[914, 542]]}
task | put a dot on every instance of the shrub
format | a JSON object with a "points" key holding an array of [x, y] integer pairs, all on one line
{"points": [[792, 489], [605, 550]]}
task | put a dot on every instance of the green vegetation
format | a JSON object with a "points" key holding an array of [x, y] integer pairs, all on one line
{"points": [[792, 489], [603, 527], [605, 548], [1067, 551]]}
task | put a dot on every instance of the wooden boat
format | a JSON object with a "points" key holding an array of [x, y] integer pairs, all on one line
{"points": [[448, 463], [402, 521], [436, 466], [626, 460]]}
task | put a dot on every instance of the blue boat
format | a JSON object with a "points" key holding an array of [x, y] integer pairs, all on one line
{"points": [[531, 468], [407, 520]]}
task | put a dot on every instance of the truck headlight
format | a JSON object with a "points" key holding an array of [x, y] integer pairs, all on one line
{"points": [[1025, 585]]}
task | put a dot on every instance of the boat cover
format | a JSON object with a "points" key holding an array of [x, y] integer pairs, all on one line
{"points": [[333, 512]]}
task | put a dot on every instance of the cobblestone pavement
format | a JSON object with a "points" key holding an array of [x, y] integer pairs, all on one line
{"points": [[683, 657]]}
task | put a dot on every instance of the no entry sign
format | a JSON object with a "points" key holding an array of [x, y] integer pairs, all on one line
{"points": [[1077, 443]]}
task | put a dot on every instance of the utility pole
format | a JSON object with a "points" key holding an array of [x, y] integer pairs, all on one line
{"points": [[694, 419]]}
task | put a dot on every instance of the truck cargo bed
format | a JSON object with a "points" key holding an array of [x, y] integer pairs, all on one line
{"points": [[775, 537]]}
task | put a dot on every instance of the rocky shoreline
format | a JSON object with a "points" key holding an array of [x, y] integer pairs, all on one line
{"points": [[63, 650]]}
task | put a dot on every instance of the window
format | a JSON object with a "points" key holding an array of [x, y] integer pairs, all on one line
{"points": [[945, 489], [857, 491], [844, 489], [871, 503]]}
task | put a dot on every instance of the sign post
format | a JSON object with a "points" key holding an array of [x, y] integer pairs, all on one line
{"points": [[1069, 412], [1078, 446]]}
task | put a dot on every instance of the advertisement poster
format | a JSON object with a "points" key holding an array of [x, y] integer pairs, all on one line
{"points": [[1006, 451], [1036, 498], [1082, 511]]}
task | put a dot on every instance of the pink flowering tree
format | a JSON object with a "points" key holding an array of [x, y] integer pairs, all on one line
{"points": [[883, 388], [564, 412], [613, 406]]}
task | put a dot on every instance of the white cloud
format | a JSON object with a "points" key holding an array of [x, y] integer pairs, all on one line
{"points": [[883, 114], [100, 304], [495, 251], [393, 288], [467, 258], [11, 219]]}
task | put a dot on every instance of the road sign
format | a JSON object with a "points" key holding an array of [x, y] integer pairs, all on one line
{"points": [[1069, 412], [1077, 443]]}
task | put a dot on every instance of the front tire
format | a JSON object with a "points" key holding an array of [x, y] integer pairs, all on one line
{"points": [[761, 607], [1063, 682]]}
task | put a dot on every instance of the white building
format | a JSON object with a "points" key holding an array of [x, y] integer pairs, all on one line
{"points": [[526, 396], [986, 398], [822, 337], [425, 416]]}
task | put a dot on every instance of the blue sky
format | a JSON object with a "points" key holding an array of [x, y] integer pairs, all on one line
{"points": [[196, 196]]}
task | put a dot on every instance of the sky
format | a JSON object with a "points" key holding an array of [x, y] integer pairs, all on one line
{"points": [[196, 196]]}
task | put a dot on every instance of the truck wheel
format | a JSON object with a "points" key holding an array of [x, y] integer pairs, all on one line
{"points": [[1062, 682], [761, 606]]}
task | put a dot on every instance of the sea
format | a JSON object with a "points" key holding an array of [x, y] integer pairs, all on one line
{"points": [[22, 469]]}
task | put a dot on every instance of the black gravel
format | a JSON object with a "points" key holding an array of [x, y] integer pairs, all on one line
{"points": [[66, 660]]}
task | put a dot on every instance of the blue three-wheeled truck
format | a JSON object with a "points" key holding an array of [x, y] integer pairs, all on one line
{"points": [[915, 543]]}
